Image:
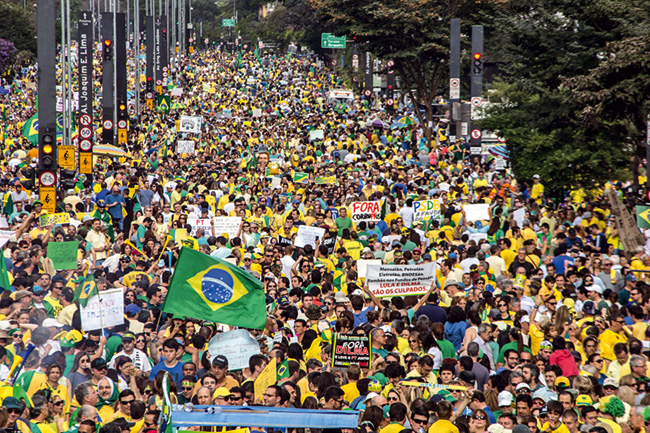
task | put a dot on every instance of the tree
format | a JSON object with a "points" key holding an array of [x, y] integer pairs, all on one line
{"points": [[17, 28], [7, 52]]}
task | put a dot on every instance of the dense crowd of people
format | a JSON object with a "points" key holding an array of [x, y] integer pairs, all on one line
{"points": [[532, 325]]}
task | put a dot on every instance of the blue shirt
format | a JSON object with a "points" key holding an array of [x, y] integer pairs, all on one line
{"points": [[115, 211], [558, 262], [176, 371], [455, 333]]}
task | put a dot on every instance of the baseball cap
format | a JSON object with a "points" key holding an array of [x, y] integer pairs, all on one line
{"points": [[132, 309], [522, 386], [610, 381], [374, 385], [222, 392], [98, 363], [128, 335], [447, 395], [562, 381], [595, 288], [630, 277], [589, 307], [584, 400], [220, 361], [11, 403], [505, 399], [545, 345], [48, 323]]}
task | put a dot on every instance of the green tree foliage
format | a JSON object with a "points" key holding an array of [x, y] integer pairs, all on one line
{"points": [[16, 27]]}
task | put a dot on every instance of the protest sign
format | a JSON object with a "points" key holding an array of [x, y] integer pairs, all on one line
{"points": [[180, 235], [267, 377], [299, 177], [237, 346], [365, 211], [400, 280], [4, 224], [227, 225], [362, 266], [426, 209], [186, 146], [198, 223], [330, 243], [519, 216], [191, 124], [476, 237], [326, 180], [476, 212], [177, 91], [54, 218], [103, 311], [316, 134], [307, 235], [5, 235], [351, 349], [63, 254], [257, 112]]}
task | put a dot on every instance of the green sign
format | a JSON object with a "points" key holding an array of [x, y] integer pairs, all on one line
{"points": [[63, 254], [328, 40], [228, 22], [164, 103]]}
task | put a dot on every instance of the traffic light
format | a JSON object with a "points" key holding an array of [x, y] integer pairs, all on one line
{"points": [[30, 177], [67, 179], [149, 84], [108, 50], [47, 151], [164, 34], [122, 111], [477, 63]]}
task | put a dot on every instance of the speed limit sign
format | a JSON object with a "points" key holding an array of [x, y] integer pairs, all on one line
{"points": [[476, 134], [108, 124], [367, 92], [85, 132], [85, 120], [121, 124], [149, 95]]}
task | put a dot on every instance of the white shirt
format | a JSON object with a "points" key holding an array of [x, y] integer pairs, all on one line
{"points": [[139, 359], [407, 215]]}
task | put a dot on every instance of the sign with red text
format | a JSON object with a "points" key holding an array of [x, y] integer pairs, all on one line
{"points": [[386, 281], [351, 349], [366, 211]]}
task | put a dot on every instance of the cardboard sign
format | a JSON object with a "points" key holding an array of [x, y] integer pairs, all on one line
{"points": [[365, 211], [477, 212], [267, 377], [103, 310], [227, 225], [316, 134], [386, 281], [362, 266], [351, 349], [197, 223], [191, 124], [519, 216], [307, 235], [237, 346], [63, 254], [326, 180], [54, 218], [4, 237], [187, 146], [426, 209]]}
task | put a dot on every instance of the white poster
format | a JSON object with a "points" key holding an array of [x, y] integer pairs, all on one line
{"points": [[386, 281], [477, 212], [365, 211], [316, 134], [237, 346], [186, 146], [226, 225], [307, 235], [103, 311], [177, 91], [426, 209], [198, 223], [191, 124], [476, 237], [5, 235], [257, 112], [362, 266], [519, 215]]}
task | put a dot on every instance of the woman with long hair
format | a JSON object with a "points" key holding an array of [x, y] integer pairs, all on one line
{"points": [[455, 326], [80, 370], [479, 421], [53, 374]]}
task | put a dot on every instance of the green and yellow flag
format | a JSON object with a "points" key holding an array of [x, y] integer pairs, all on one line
{"points": [[643, 217], [85, 289], [164, 103], [30, 129], [211, 289]]}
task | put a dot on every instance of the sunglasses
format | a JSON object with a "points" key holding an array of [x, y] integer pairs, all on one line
{"points": [[14, 411], [58, 403], [186, 388], [420, 421], [393, 399], [126, 402], [478, 417]]}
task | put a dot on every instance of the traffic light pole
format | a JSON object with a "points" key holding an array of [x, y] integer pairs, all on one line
{"points": [[120, 78], [108, 103], [476, 86], [47, 155], [454, 76]]}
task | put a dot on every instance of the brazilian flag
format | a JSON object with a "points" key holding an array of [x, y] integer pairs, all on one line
{"points": [[643, 217], [30, 129], [85, 289], [164, 103], [211, 289]]}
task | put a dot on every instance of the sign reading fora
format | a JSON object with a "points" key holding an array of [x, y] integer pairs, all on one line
{"points": [[351, 349]]}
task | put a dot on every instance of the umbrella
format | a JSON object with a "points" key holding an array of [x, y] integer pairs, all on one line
{"points": [[177, 106], [406, 120], [377, 123], [108, 150]]}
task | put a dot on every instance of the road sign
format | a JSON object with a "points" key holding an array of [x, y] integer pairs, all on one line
{"points": [[477, 101], [476, 134], [334, 62], [47, 178], [328, 40], [228, 22], [85, 145], [108, 124], [389, 102], [85, 120], [85, 132], [85, 162], [121, 124], [121, 136], [149, 95], [454, 88], [164, 69], [355, 57], [390, 63], [47, 195], [367, 92], [67, 157], [158, 82], [475, 150]]}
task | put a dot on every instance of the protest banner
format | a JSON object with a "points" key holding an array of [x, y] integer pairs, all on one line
{"points": [[316, 134], [400, 280], [198, 223], [5, 235], [301, 177], [103, 311], [185, 146], [476, 237], [519, 216], [477, 212], [63, 254], [426, 209], [54, 218], [362, 266], [237, 346], [267, 377], [191, 124], [366, 211], [326, 180], [226, 225], [433, 385], [351, 349], [177, 91], [307, 235]]}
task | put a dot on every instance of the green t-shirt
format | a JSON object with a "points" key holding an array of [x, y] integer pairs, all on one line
{"points": [[343, 223], [512, 345], [111, 346], [447, 349]]}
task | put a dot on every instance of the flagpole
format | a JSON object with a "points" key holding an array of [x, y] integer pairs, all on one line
{"points": [[101, 313]]}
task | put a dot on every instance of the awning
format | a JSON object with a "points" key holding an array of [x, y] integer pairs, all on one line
{"points": [[260, 416]]}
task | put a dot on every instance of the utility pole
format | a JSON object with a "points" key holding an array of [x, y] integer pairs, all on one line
{"points": [[476, 87], [454, 78]]}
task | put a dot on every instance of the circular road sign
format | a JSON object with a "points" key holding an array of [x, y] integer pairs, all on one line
{"points": [[367, 92], [108, 124], [47, 178], [389, 102], [191, 40], [477, 101], [334, 62], [355, 56], [85, 120], [121, 124], [149, 95], [158, 82], [454, 82], [85, 132], [476, 134], [390, 63], [164, 74], [85, 145]]}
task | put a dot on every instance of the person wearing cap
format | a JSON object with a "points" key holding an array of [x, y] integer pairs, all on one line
{"points": [[222, 396], [219, 369], [137, 357], [15, 411]]}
